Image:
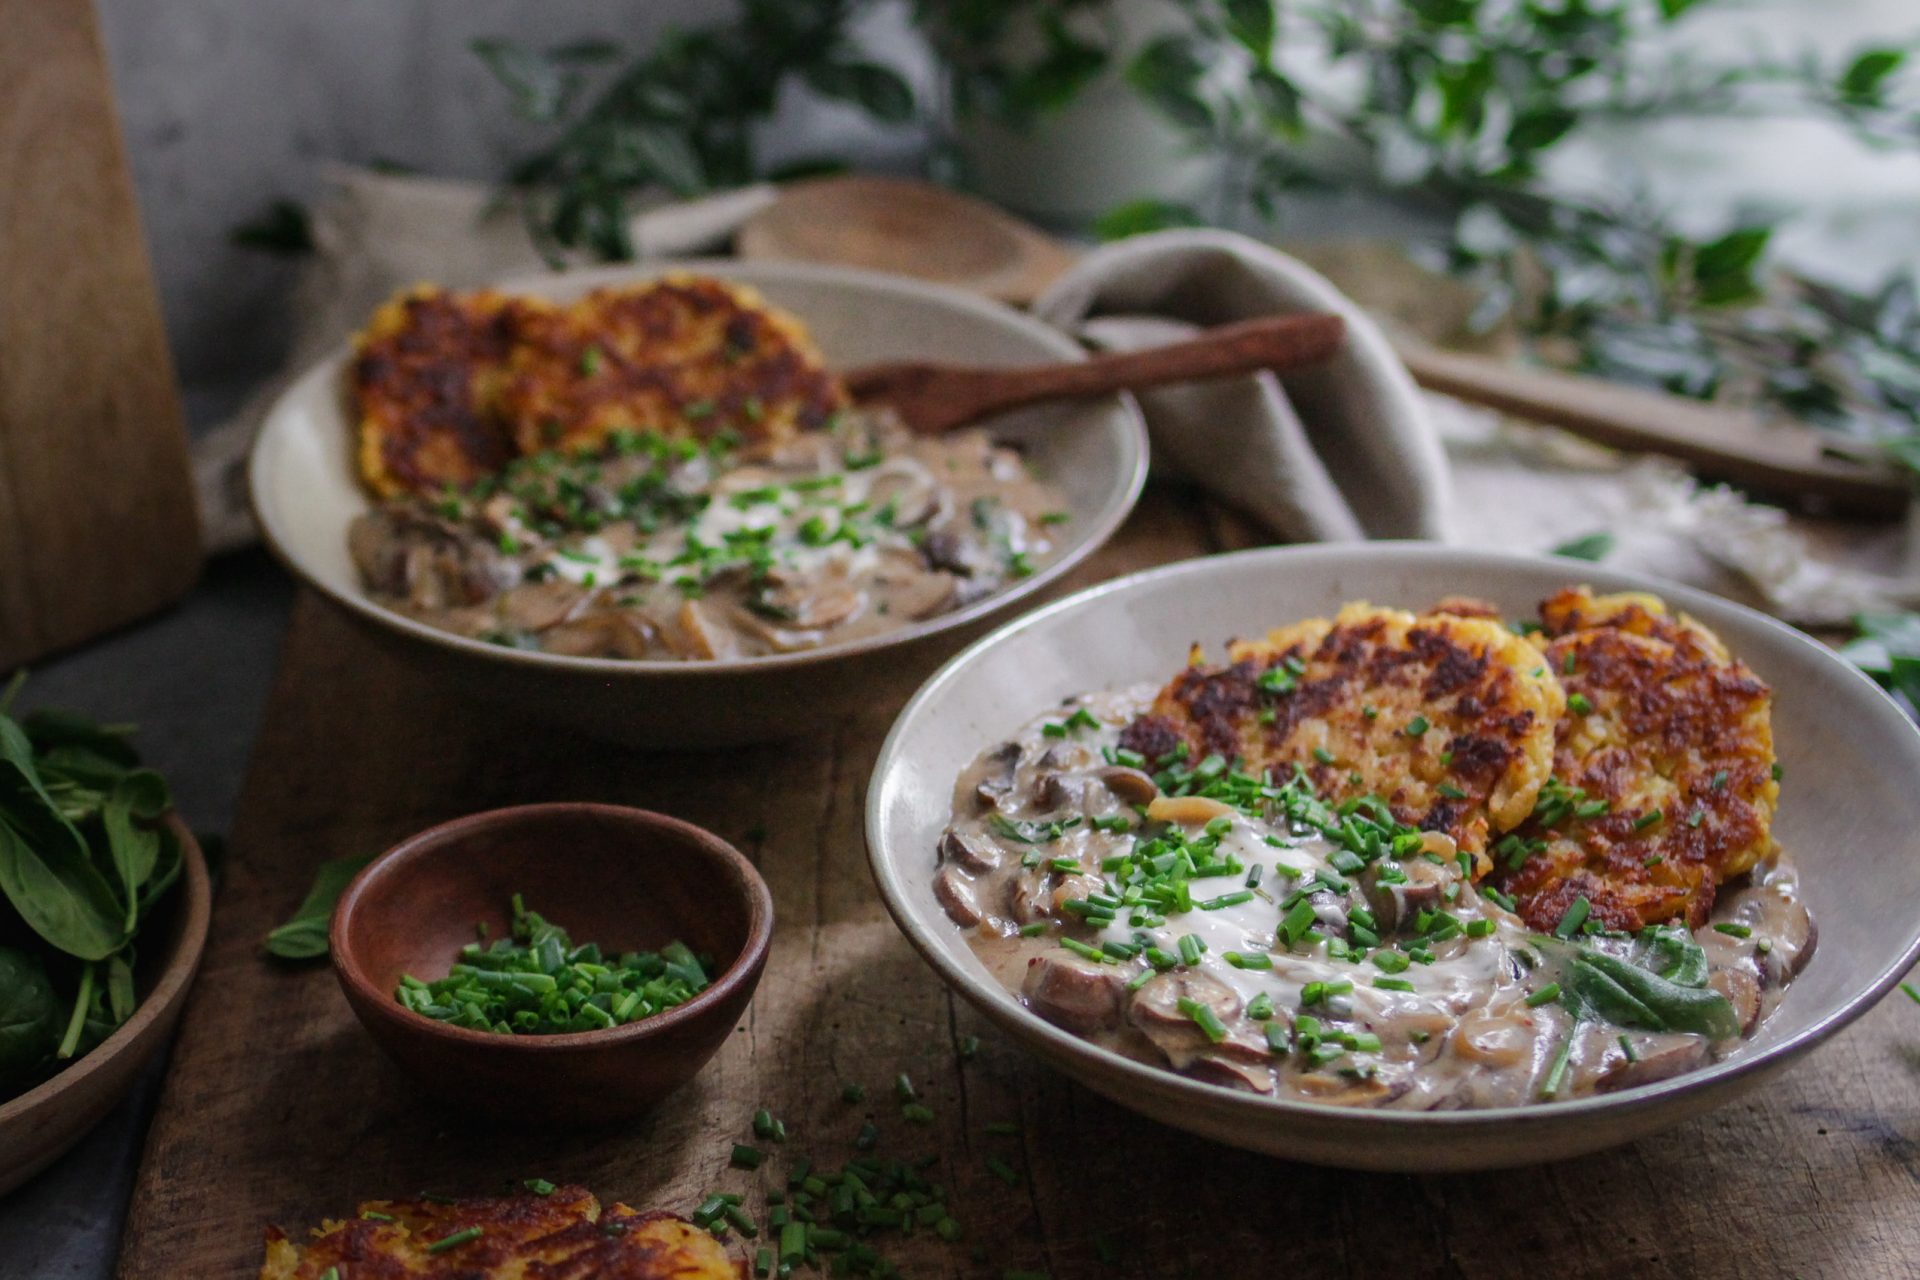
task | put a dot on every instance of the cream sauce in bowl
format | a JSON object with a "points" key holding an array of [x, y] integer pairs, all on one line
{"points": [[669, 550], [1238, 931]]}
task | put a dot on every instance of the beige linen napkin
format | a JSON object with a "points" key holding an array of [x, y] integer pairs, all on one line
{"points": [[1338, 451]]}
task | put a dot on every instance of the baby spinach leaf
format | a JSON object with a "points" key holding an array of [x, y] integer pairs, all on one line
{"points": [[132, 849], [46, 869], [304, 936], [1671, 952], [56, 731], [120, 998], [29, 1017]]}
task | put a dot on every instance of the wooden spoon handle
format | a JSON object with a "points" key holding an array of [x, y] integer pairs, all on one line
{"points": [[1271, 342], [1781, 459]]}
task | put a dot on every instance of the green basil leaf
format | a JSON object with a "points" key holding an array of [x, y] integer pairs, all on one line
{"points": [[304, 936]]}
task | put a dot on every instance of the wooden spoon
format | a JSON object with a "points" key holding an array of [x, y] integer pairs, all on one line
{"points": [[931, 398]]}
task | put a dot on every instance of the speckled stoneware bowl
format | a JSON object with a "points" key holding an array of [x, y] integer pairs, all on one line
{"points": [[1849, 816], [306, 494]]}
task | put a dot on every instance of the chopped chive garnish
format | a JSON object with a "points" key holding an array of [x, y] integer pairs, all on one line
{"points": [[1646, 819], [1733, 930], [1417, 726], [1002, 1170], [1450, 791], [1204, 1018], [539, 1186], [1575, 917], [1545, 995], [903, 1088], [1579, 704], [853, 1093], [1260, 1008], [455, 1240], [1249, 960], [1558, 1072], [1191, 949], [917, 1113], [1913, 993], [1393, 984], [969, 1047], [1084, 951], [1626, 1047]]}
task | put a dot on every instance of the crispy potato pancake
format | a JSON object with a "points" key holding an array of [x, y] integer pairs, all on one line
{"points": [[450, 387], [685, 355], [562, 1236], [426, 378], [1449, 719], [1663, 769]]}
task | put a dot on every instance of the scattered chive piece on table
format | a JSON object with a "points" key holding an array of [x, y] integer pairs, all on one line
{"points": [[1913, 992], [853, 1093], [538, 982], [746, 1157], [1002, 1170]]}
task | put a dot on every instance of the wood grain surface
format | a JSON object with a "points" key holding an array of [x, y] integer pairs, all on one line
{"points": [[278, 1109], [97, 518]]}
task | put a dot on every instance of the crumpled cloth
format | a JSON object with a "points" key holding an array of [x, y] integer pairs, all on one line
{"points": [[1350, 449]]}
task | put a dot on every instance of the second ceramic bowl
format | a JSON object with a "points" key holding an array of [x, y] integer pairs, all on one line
{"points": [[1848, 815], [1094, 452]]}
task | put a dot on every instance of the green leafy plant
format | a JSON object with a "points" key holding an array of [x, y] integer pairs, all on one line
{"points": [[304, 935], [679, 117], [84, 857], [1454, 106]]}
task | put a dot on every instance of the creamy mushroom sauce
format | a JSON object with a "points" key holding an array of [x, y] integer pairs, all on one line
{"points": [[1412, 1023], [667, 549]]}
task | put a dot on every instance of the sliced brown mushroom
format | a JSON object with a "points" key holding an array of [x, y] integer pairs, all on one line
{"points": [[700, 637], [996, 774], [1774, 913], [1394, 904], [539, 605], [1027, 897], [959, 895], [1128, 785], [969, 849], [1061, 791], [1074, 993], [905, 485], [1654, 1058], [1213, 1068], [1742, 991], [1155, 1011], [604, 634]]}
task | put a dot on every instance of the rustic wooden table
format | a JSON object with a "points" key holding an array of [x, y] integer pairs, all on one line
{"points": [[278, 1108]]}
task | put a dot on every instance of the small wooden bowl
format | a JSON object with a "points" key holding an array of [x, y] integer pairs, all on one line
{"points": [[37, 1127], [624, 878]]}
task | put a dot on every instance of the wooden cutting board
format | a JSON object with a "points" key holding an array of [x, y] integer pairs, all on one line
{"points": [[97, 518], [278, 1109]]}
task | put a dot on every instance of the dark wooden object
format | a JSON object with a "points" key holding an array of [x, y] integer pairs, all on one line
{"points": [[280, 1109], [932, 397], [97, 518]]}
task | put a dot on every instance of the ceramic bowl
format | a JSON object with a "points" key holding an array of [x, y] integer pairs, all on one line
{"points": [[305, 493], [1848, 814], [627, 879], [39, 1125]]}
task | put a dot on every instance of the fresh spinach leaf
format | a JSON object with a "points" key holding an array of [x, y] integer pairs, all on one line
{"points": [[1595, 546], [29, 1017], [46, 869], [132, 850], [304, 936], [1599, 984]]}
